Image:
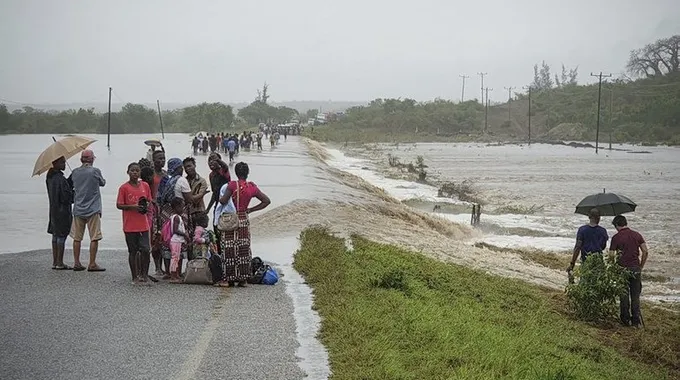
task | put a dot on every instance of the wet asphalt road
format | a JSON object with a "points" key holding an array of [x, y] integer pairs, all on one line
{"points": [[80, 325]]}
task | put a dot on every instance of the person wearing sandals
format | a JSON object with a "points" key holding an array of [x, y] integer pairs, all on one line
{"points": [[236, 245], [60, 196], [87, 210]]}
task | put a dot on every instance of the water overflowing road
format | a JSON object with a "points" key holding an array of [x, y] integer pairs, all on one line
{"points": [[276, 322], [308, 184]]}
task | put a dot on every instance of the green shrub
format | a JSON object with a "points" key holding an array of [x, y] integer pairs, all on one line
{"points": [[601, 281]]}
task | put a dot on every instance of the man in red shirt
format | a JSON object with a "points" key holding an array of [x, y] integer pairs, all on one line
{"points": [[628, 244], [133, 199]]}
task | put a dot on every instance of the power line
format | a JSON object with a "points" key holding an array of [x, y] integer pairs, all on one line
{"points": [[462, 95], [599, 99], [509, 99], [482, 87], [529, 88], [486, 109]]}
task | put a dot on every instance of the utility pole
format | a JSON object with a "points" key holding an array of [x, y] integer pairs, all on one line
{"points": [[160, 117], [486, 109], [529, 88], [482, 76], [611, 114], [108, 132], [462, 95], [599, 99], [509, 99]]}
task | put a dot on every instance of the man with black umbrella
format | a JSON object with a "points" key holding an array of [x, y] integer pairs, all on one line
{"points": [[590, 238], [629, 243]]}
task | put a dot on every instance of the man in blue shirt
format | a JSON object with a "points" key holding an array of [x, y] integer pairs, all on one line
{"points": [[231, 147], [87, 210], [590, 238]]}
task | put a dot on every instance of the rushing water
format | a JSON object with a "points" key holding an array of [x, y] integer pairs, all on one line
{"points": [[312, 184], [551, 180]]}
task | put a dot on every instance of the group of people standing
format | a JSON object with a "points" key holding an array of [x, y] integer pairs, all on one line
{"points": [[221, 142], [150, 198], [632, 249]]}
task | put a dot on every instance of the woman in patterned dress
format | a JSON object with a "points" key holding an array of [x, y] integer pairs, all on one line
{"points": [[235, 245]]}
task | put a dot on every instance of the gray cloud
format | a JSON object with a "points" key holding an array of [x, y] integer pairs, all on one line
{"points": [[189, 51]]}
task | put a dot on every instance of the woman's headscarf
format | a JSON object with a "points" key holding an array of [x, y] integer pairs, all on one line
{"points": [[174, 164], [166, 189]]}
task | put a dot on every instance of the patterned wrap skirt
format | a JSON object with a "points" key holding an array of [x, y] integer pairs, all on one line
{"points": [[236, 252]]}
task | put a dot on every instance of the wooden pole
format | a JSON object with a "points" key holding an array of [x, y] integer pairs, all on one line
{"points": [[160, 117], [108, 133]]}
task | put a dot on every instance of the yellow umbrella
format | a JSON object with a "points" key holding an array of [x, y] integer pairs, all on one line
{"points": [[66, 147]]}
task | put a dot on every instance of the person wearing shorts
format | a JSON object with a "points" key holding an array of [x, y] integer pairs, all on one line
{"points": [[87, 209], [133, 199]]}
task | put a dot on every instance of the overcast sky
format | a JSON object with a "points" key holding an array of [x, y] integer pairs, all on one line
{"points": [[64, 51]]}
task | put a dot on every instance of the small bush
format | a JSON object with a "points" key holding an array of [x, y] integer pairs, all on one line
{"points": [[393, 279], [601, 281]]}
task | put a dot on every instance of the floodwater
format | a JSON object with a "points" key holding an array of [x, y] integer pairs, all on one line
{"points": [[285, 173], [313, 184], [548, 178]]}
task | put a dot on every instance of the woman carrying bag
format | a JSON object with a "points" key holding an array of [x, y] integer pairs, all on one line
{"points": [[235, 227]]}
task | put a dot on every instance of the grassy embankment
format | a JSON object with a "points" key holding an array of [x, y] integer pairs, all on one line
{"points": [[642, 111], [393, 314]]}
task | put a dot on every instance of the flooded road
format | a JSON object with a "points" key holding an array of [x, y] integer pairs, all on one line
{"points": [[310, 183], [285, 173]]}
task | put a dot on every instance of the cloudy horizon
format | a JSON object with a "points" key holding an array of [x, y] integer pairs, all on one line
{"points": [[180, 52]]}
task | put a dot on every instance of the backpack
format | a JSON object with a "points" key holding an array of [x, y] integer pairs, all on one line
{"points": [[166, 232], [258, 269]]}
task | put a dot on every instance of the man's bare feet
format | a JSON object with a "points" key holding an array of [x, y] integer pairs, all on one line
{"points": [[175, 280]]}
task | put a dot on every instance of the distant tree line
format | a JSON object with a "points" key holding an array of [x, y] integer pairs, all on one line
{"points": [[646, 109], [138, 118]]}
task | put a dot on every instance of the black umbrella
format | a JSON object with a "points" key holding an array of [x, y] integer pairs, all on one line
{"points": [[609, 204]]}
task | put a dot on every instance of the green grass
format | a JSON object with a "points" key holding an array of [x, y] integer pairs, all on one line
{"points": [[391, 314]]}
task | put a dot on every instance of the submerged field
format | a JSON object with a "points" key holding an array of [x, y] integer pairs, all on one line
{"points": [[392, 314]]}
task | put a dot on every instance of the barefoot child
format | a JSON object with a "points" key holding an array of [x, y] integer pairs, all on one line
{"points": [[135, 223], [179, 239]]}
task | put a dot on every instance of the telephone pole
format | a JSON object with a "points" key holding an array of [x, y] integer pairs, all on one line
{"points": [[482, 76], [599, 99], [509, 99], [108, 123], [160, 117], [486, 109], [462, 95], [611, 114], [529, 88]]}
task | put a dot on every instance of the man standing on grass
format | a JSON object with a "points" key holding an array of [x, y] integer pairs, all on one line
{"points": [[590, 238], [87, 210], [629, 243]]}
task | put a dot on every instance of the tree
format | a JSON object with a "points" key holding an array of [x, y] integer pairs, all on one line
{"points": [[262, 95], [137, 118], [568, 77], [311, 114], [542, 78], [659, 58]]}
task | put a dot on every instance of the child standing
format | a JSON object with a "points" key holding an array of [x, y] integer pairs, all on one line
{"points": [[201, 238], [133, 197], [179, 239]]}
